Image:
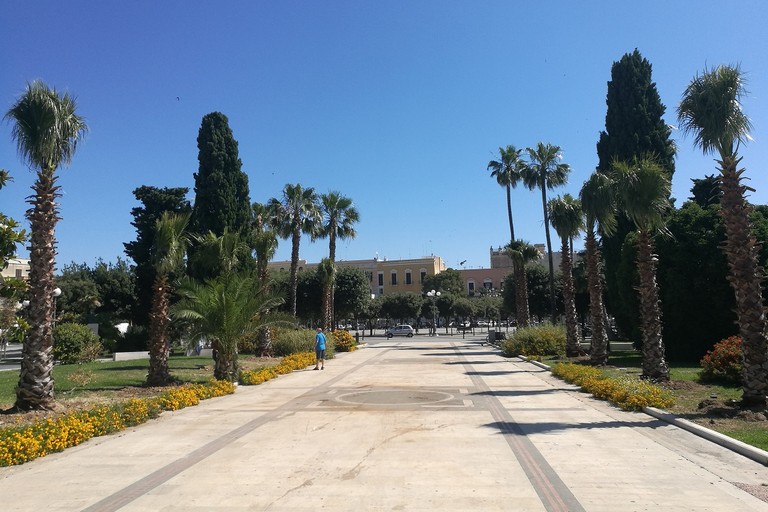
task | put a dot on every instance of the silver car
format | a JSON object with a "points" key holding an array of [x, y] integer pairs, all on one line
{"points": [[400, 330]]}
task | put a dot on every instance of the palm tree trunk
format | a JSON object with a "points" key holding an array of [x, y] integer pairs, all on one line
{"points": [[36, 386], [654, 363], [599, 347], [509, 214], [159, 348], [332, 257], [553, 303], [295, 240], [573, 339], [745, 277], [226, 367], [521, 298]]}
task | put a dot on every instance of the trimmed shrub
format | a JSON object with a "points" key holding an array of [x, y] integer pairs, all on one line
{"points": [[724, 363], [343, 340], [287, 365], [75, 343], [293, 341], [541, 340]]}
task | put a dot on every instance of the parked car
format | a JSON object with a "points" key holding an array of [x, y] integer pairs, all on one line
{"points": [[400, 330], [464, 326]]}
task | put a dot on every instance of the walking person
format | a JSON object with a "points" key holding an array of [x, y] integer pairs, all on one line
{"points": [[319, 349]]}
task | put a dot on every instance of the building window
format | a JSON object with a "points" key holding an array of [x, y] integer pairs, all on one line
{"points": [[394, 278], [422, 276], [370, 276], [471, 287], [487, 284], [18, 273], [381, 278], [408, 279]]}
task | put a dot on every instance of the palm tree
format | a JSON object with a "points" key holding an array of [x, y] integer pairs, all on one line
{"points": [[264, 243], [598, 204], [508, 171], [643, 190], [339, 219], [222, 311], [168, 254], [46, 129], [296, 213], [545, 172], [711, 111], [567, 219], [521, 253], [326, 272]]}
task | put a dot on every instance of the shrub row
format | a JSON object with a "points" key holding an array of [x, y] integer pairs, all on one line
{"points": [[628, 393], [541, 340], [21, 444], [286, 365], [293, 341]]}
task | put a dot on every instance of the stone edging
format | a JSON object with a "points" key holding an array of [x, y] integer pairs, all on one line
{"points": [[732, 444]]}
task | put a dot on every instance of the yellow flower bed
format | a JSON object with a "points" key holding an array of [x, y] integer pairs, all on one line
{"points": [[286, 365], [22, 444], [628, 393]]}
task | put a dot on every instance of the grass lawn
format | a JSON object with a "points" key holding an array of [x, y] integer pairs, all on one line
{"points": [[105, 380], [689, 393]]}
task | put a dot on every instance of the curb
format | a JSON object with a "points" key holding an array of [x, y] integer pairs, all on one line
{"points": [[732, 444]]}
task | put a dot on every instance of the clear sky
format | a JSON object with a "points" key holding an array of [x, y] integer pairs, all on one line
{"points": [[397, 104]]}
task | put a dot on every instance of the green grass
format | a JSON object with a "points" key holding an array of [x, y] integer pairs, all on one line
{"points": [[102, 377], [689, 393]]}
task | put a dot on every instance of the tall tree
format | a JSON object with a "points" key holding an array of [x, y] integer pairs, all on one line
{"points": [[711, 110], [339, 219], [545, 171], [634, 126], [168, 256], [326, 274], [221, 188], [10, 237], [46, 129], [264, 243], [154, 202], [643, 190], [508, 171], [598, 204], [296, 213], [521, 253], [567, 219]]}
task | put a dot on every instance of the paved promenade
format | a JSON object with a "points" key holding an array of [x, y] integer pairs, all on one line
{"points": [[405, 424]]}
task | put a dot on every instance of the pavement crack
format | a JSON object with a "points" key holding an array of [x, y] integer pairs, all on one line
{"points": [[306, 483]]}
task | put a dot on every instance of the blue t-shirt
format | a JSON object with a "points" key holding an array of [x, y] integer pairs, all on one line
{"points": [[320, 341]]}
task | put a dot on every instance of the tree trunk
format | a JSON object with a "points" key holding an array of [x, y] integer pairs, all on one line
{"points": [[295, 240], [159, 347], [226, 362], [521, 298], [573, 339], [36, 386], [553, 303], [654, 363], [599, 347], [265, 342], [745, 277], [509, 214]]}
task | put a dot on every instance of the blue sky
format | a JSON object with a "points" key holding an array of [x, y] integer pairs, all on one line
{"points": [[397, 104]]}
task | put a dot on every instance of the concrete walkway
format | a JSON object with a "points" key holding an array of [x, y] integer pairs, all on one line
{"points": [[404, 424]]}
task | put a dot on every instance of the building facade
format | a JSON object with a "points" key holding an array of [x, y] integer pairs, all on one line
{"points": [[385, 276], [18, 268]]}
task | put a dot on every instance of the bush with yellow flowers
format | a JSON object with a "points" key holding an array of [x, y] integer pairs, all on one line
{"points": [[21, 444], [344, 340], [627, 393], [286, 365]]}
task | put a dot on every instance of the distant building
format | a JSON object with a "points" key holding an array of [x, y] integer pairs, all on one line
{"points": [[18, 268], [385, 276]]}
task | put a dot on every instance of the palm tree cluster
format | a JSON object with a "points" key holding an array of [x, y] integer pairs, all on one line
{"points": [[639, 188]]}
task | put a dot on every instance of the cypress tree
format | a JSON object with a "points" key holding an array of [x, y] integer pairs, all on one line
{"points": [[633, 127], [222, 201], [221, 189]]}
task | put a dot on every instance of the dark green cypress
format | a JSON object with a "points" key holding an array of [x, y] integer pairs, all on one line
{"points": [[221, 189], [633, 127]]}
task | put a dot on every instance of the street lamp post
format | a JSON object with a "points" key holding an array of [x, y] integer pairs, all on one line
{"points": [[56, 293], [432, 294]]}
